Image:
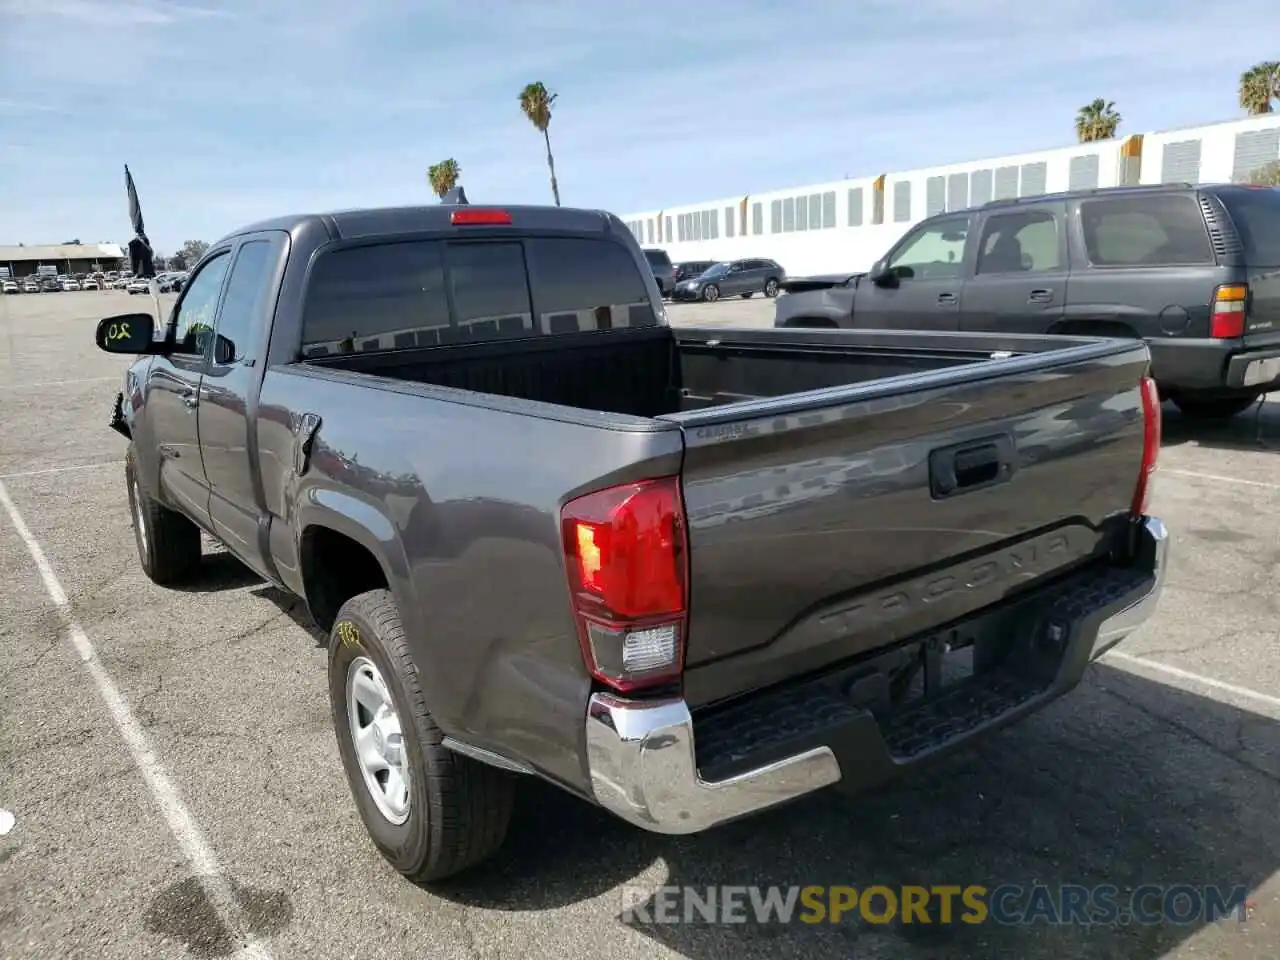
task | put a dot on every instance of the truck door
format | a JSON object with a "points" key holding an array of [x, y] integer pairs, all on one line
{"points": [[921, 290], [228, 396], [173, 391], [1019, 283]]}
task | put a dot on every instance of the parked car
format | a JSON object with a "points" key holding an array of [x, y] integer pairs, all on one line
{"points": [[740, 277], [90, 283], [138, 285], [51, 285], [662, 269], [70, 283], [689, 269], [497, 492], [31, 286], [1192, 270], [10, 286]]}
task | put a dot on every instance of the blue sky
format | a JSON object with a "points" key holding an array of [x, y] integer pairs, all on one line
{"points": [[237, 110]]}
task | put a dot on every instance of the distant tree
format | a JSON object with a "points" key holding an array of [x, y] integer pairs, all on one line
{"points": [[444, 176], [1259, 85], [191, 252], [1097, 121], [1267, 175], [536, 102]]}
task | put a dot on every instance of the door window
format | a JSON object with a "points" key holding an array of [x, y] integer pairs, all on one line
{"points": [[193, 317], [933, 252], [1145, 231], [1020, 243], [247, 288]]}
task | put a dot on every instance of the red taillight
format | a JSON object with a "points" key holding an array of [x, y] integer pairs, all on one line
{"points": [[1150, 446], [1226, 317], [626, 556], [476, 218]]}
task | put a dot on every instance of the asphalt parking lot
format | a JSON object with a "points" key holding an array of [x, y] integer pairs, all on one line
{"points": [[1164, 767]]}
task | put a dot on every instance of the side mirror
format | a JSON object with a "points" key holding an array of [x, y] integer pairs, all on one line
{"points": [[881, 275], [224, 351], [127, 333]]}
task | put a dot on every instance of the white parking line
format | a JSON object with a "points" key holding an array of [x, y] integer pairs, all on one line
{"points": [[1244, 693], [55, 383], [49, 470], [181, 823], [1221, 479]]}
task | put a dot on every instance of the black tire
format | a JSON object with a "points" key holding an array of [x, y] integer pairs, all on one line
{"points": [[745, 296], [168, 543], [771, 288], [1212, 408], [710, 293], [459, 808]]}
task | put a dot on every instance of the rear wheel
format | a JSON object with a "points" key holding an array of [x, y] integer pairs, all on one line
{"points": [[168, 543], [430, 812], [710, 293], [771, 287], [1212, 408]]}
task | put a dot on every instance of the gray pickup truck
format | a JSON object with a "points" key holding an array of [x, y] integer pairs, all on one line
{"points": [[685, 574]]}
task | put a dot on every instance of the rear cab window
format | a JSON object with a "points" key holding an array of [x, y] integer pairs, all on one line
{"points": [[1256, 215], [657, 258], [405, 294], [1145, 231]]}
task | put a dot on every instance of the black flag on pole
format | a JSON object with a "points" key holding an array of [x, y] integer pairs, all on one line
{"points": [[141, 256]]}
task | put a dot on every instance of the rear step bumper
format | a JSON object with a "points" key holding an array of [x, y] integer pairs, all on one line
{"points": [[645, 768]]}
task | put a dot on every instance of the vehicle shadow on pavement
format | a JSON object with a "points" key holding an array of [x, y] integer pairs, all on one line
{"points": [[1257, 429], [1124, 782], [219, 570]]}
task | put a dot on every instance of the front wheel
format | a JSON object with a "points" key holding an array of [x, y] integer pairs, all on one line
{"points": [[1212, 408], [771, 288], [710, 293], [431, 813], [168, 543]]}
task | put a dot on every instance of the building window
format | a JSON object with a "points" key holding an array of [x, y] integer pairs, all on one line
{"points": [[714, 217], [829, 210], [935, 195], [757, 218], [815, 211], [1082, 172], [775, 216], [648, 229], [668, 229], [855, 207], [1180, 162], [789, 215], [902, 201], [1006, 183], [802, 214], [1035, 177], [728, 222], [958, 191], [980, 187], [1254, 150]]}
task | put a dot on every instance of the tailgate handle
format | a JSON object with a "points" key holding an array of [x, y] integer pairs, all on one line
{"points": [[970, 466]]}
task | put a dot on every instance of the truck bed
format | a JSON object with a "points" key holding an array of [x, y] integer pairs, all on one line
{"points": [[810, 471], [656, 371]]}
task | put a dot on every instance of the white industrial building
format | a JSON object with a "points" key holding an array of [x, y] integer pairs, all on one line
{"points": [[848, 224]]}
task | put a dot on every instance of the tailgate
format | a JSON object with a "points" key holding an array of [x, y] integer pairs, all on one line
{"points": [[821, 525]]}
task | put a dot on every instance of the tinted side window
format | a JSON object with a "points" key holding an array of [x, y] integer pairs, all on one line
{"points": [[658, 258], [1145, 231], [1020, 242], [1256, 214], [582, 284], [490, 291], [247, 288], [194, 316], [375, 298]]}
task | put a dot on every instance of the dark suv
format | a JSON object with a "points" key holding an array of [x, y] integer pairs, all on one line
{"points": [[662, 269], [741, 277], [1192, 270]]}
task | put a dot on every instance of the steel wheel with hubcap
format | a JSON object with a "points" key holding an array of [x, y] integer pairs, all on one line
{"points": [[378, 739]]}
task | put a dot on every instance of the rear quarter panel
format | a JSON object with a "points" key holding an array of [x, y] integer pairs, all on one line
{"points": [[458, 494]]}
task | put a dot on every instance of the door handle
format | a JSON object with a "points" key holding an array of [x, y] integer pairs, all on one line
{"points": [[945, 299], [190, 399], [1040, 296], [971, 466]]}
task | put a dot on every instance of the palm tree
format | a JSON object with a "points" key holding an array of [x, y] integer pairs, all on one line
{"points": [[444, 176], [1097, 121], [536, 103], [1259, 85]]}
